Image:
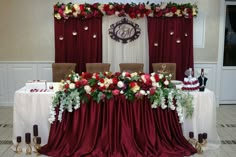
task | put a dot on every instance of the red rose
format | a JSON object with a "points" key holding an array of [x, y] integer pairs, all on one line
{"points": [[106, 7], [95, 5], [66, 86], [81, 6], [173, 9], [141, 6], [156, 76], [101, 88], [111, 86], [127, 74], [101, 80], [132, 84], [77, 84], [83, 82], [132, 15], [152, 91], [114, 80]]}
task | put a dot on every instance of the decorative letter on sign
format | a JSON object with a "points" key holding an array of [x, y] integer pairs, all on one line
{"points": [[124, 31]]}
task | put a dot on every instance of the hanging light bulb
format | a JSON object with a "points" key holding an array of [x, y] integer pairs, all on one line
{"points": [[74, 33], [61, 37], [86, 28], [178, 41], [171, 33], [156, 44], [94, 36]]}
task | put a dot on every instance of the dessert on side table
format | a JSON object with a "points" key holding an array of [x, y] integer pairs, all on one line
{"points": [[190, 83]]}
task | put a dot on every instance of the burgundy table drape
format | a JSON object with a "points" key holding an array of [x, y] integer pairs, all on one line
{"points": [[118, 128]]}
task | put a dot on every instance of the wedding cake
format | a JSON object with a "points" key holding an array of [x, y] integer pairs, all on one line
{"points": [[190, 83]]}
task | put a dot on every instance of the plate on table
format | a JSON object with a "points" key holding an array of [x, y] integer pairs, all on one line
{"points": [[176, 82]]}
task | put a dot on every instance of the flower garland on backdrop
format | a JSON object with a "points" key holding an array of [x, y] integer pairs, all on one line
{"points": [[133, 10], [100, 86]]}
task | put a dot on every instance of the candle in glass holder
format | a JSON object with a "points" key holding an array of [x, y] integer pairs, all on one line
{"points": [[27, 138], [38, 140], [204, 136], [18, 139], [191, 134], [200, 139], [35, 130]]}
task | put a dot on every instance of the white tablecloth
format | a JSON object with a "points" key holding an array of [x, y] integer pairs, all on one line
{"points": [[31, 108], [204, 118]]}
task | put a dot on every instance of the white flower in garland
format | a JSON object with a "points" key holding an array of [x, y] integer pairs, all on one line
{"points": [[120, 84], [88, 89], [161, 92]]}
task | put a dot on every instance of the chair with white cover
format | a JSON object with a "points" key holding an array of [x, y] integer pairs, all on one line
{"points": [[169, 68], [97, 67], [61, 70], [131, 67]]}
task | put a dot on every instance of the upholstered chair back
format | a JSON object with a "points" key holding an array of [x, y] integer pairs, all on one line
{"points": [[169, 68], [131, 67], [61, 70], [97, 67]]}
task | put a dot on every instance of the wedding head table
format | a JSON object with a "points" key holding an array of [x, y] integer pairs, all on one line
{"points": [[126, 120]]}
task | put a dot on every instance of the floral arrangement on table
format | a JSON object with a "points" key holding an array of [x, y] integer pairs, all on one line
{"points": [[133, 10], [99, 86]]}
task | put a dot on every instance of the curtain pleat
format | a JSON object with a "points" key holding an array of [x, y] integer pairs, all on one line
{"points": [[171, 41], [118, 128]]}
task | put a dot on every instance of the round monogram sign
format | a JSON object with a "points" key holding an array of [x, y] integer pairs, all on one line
{"points": [[124, 31]]}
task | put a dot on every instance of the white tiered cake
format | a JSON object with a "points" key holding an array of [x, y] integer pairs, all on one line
{"points": [[190, 83]]}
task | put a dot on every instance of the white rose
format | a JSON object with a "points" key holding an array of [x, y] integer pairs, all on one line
{"points": [[72, 86], [57, 16], [68, 81], [142, 92], [120, 84], [163, 6], [67, 10], [117, 13], [148, 7], [161, 76], [76, 6], [75, 79], [153, 79], [123, 74], [135, 88], [166, 82], [158, 85], [87, 88], [154, 84], [110, 6], [133, 74]]}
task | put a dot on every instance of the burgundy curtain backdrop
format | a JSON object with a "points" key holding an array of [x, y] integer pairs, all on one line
{"points": [[118, 128], [78, 41], [171, 40]]}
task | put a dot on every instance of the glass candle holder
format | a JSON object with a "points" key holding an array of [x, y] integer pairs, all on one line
{"points": [[28, 141], [18, 148], [200, 139]]}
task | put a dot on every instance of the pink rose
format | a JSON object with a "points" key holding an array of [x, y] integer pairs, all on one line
{"points": [[116, 92], [152, 91]]}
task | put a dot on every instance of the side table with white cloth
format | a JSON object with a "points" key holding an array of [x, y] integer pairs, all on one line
{"points": [[203, 119], [30, 108]]}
